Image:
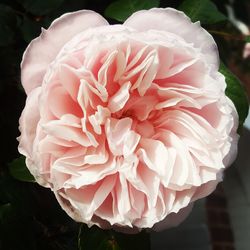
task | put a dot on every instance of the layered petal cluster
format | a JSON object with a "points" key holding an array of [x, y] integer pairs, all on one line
{"points": [[127, 124]]}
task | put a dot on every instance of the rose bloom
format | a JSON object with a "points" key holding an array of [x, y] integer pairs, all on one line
{"points": [[127, 124], [246, 51]]}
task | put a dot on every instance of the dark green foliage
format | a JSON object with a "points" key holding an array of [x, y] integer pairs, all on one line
{"points": [[247, 39], [237, 93], [98, 239], [204, 11], [19, 171], [120, 10]]}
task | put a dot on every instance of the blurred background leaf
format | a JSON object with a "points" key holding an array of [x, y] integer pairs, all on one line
{"points": [[120, 10], [19, 171], [237, 93], [99, 239], [204, 11]]}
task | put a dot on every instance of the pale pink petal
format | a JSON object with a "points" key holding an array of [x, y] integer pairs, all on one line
{"points": [[166, 58], [141, 107], [176, 22], [69, 80], [117, 101], [137, 201], [130, 143], [99, 118], [154, 154], [145, 129], [101, 194], [28, 123], [58, 129], [44, 49], [123, 201], [147, 71], [117, 131], [246, 51], [61, 103], [180, 167], [92, 173]]}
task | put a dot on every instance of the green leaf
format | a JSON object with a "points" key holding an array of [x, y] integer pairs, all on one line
{"points": [[96, 238], [204, 11], [247, 39], [120, 10], [236, 92], [40, 7], [8, 23], [99, 239], [19, 171]]}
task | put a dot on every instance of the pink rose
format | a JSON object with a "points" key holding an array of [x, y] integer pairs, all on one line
{"points": [[127, 124], [246, 51]]}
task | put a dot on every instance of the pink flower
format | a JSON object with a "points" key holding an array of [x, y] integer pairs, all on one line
{"points": [[246, 51], [127, 124]]}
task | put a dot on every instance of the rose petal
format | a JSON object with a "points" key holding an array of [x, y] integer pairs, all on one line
{"points": [[28, 123], [176, 22], [44, 49], [119, 99]]}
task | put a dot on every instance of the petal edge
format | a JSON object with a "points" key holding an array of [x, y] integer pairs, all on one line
{"points": [[43, 50]]}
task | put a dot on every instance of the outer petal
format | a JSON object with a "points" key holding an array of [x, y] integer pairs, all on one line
{"points": [[28, 123], [178, 23], [43, 50]]}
